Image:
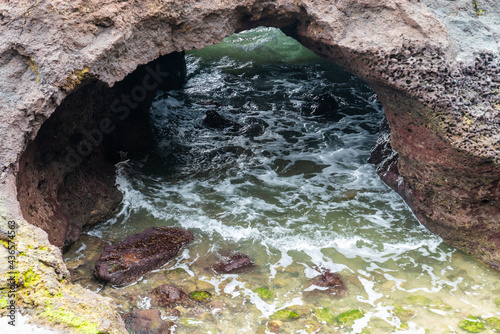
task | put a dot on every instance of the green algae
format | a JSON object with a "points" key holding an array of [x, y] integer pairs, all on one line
{"points": [[494, 323], [200, 296], [264, 293], [497, 302], [418, 300], [402, 313], [30, 278], [348, 318], [472, 324], [404, 326], [70, 319], [326, 315], [284, 315], [3, 302]]}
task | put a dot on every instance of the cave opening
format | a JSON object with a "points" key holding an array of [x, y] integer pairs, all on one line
{"points": [[262, 151]]}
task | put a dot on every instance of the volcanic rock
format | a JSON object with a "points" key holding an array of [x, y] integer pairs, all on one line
{"points": [[146, 322], [320, 105], [166, 295], [214, 120], [233, 262], [140, 253], [333, 283]]}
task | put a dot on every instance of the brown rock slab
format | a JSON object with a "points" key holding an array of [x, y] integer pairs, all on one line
{"points": [[234, 262], [146, 322], [140, 253]]}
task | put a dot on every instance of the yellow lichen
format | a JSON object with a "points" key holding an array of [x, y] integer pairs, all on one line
{"points": [[76, 78], [32, 65], [65, 317]]}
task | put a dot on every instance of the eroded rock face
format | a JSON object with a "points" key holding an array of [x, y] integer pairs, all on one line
{"points": [[140, 253], [66, 179], [434, 65]]}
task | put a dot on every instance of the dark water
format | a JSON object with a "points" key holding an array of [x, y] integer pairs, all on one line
{"points": [[294, 192]]}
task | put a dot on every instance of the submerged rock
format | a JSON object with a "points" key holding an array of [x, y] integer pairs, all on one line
{"points": [[264, 293], [146, 322], [328, 282], [254, 127], [140, 253], [472, 325], [233, 262], [348, 318], [201, 296], [214, 120], [320, 105], [284, 315], [167, 295]]}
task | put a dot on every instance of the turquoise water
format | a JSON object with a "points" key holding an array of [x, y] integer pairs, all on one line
{"points": [[294, 192]]}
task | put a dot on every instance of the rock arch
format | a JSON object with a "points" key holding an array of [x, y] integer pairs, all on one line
{"points": [[434, 65]]}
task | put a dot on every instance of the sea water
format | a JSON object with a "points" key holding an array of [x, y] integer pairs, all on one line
{"points": [[292, 190]]}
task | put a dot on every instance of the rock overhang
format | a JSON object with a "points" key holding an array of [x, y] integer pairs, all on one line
{"points": [[434, 64]]}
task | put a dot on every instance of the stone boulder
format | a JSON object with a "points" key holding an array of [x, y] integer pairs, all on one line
{"points": [[329, 282], [233, 262], [140, 253], [146, 322]]}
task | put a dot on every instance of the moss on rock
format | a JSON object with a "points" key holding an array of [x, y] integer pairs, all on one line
{"points": [[348, 318], [494, 323], [472, 324], [325, 315], [264, 293], [284, 315], [418, 300], [69, 319], [201, 296], [402, 313]]}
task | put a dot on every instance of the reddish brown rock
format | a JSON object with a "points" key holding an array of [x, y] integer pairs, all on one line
{"points": [[437, 80], [147, 322], [333, 283], [233, 262], [167, 295], [140, 253]]}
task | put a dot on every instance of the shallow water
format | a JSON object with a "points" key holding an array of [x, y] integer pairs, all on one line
{"points": [[291, 190]]}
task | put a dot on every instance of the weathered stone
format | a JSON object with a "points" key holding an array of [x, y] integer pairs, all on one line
{"points": [[233, 262], [434, 65], [167, 295], [146, 322], [320, 105], [214, 120], [140, 253], [333, 283], [66, 180], [42, 281]]}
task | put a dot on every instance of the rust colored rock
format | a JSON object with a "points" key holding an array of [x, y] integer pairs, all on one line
{"points": [[333, 283], [140, 253], [146, 322], [234, 262], [167, 295]]}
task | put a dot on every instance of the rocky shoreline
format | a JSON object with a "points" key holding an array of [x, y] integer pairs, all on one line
{"points": [[71, 71]]}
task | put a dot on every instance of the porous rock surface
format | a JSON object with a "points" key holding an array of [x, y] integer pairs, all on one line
{"points": [[138, 254], [434, 65]]}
